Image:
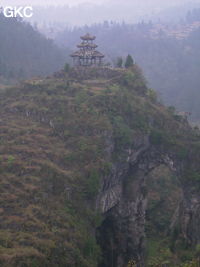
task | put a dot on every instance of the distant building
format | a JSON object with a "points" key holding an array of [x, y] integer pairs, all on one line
{"points": [[87, 55]]}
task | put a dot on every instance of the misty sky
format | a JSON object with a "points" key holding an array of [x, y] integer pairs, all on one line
{"points": [[50, 2], [130, 11], [75, 2]]}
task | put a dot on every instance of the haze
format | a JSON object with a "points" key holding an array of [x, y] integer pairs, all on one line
{"points": [[76, 2], [75, 12], [51, 2]]}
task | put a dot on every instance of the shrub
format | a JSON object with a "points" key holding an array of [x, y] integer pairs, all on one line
{"points": [[156, 137], [172, 110], [128, 79], [182, 153], [119, 63], [67, 67], [92, 184], [195, 176], [91, 252], [152, 95], [129, 61], [122, 132]]}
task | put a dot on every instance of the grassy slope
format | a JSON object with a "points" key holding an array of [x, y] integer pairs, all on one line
{"points": [[53, 154]]}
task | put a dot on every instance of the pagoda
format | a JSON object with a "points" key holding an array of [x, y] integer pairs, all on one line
{"points": [[87, 55]]}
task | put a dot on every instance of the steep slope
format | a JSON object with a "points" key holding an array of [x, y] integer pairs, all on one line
{"points": [[76, 152]]}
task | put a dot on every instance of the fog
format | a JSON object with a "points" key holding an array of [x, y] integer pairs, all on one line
{"points": [[75, 12], [75, 2]]}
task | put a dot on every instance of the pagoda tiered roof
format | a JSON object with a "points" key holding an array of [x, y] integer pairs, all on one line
{"points": [[87, 55], [92, 53], [88, 37], [85, 45]]}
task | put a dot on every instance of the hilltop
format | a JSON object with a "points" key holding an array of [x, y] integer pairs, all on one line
{"points": [[76, 151], [168, 55]]}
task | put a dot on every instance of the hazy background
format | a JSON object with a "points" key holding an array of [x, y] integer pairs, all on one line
{"points": [[163, 37], [80, 12], [74, 2]]}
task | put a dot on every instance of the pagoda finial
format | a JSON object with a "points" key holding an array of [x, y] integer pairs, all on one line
{"points": [[88, 37]]}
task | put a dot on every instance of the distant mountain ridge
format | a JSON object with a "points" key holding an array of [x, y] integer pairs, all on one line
{"points": [[24, 52], [118, 11], [168, 55]]}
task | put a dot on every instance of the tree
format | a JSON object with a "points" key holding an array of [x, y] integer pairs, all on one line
{"points": [[129, 61], [119, 63], [67, 67]]}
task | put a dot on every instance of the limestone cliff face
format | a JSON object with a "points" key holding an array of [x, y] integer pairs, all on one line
{"points": [[73, 150], [186, 221], [185, 225], [123, 201]]}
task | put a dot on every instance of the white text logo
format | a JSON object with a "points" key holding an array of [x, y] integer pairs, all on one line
{"points": [[20, 11]]}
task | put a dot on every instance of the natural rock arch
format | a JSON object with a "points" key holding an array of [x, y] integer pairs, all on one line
{"points": [[123, 201]]}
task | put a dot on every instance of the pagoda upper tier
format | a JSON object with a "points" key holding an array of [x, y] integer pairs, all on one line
{"points": [[88, 37], [87, 55]]}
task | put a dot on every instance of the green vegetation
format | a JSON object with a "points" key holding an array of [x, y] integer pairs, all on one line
{"points": [[129, 62], [26, 52], [59, 138], [152, 95], [170, 64], [67, 67], [92, 184], [163, 194], [119, 63]]}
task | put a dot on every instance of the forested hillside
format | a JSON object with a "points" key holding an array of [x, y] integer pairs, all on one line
{"points": [[24, 52], [95, 170], [77, 150], [170, 62]]}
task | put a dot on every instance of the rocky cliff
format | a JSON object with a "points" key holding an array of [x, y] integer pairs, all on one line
{"points": [[77, 150]]}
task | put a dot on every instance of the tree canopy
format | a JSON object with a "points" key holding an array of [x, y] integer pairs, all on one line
{"points": [[129, 61]]}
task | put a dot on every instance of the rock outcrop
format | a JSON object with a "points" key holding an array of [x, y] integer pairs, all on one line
{"points": [[123, 201], [75, 158]]}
